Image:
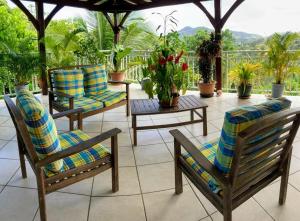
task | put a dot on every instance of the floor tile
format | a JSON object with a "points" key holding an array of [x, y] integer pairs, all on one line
{"points": [[124, 140], [18, 204], [91, 126], [268, 199], [197, 129], [115, 117], [63, 206], [7, 133], [167, 137], [10, 150], [8, 169], [3, 143], [167, 206], [148, 137], [128, 183], [157, 177], [126, 157], [125, 208], [209, 207], [124, 126], [248, 211], [156, 153]]}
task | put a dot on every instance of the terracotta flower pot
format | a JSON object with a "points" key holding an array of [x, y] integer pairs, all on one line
{"points": [[117, 76], [175, 101], [207, 89]]}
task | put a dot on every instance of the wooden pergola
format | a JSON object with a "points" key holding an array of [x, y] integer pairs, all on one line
{"points": [[40, 22]]}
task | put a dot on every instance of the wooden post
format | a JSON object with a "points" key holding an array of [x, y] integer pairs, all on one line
{"points": [[41, 44], [218, 34]]}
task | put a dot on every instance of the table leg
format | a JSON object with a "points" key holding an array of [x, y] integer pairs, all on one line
{"points": [[192, 115], [134, 130], [204, 122]]}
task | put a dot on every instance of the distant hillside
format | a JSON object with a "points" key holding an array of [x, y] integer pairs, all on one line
{"points": [[240, 37]]}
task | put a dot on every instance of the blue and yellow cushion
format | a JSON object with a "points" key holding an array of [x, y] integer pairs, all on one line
{"points": [[109, 97], [41, 127], [84, 102], [95, 79], [209, 151], [90, 155], [238, 120], [69, 82]]}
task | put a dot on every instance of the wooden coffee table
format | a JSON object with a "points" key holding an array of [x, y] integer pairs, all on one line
{"points": [[140, 107]]}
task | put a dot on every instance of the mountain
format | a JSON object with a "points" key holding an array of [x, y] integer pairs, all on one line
{"points": [[240, 37]]}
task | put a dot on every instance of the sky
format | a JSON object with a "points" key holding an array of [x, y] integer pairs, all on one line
{"points": [[263, 17]]}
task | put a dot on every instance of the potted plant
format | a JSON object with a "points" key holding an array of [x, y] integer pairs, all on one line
{"points": [[167, 76], [207, 52], [243, 75], [280, 61], [119, 52], [23, 66]]}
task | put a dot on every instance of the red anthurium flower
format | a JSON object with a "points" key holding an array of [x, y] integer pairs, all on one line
{"points": [[170, 58], [184, 66], [178, 57], [162, 61]]}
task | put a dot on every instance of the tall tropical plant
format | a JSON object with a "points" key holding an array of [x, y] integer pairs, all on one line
{"points": [[280, 61]]}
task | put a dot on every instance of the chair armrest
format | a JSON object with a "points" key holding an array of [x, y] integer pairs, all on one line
{"points": [[119, 82], [78, 148], [60, 94], [199, 157], [67, 113]]}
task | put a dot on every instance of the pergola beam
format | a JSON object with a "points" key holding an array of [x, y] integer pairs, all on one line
{"points": [[235, 5], [51, 15]]}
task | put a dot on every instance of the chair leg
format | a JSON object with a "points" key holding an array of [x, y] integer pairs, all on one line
{"points": [[128, 101], [227, 206], [42, 195], [22, 156], [71, 124], [284, 181], [115, 167], [178, 171]]}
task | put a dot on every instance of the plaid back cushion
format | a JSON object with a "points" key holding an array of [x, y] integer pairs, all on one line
{"points": [[41, 127], [95, 79], [69, 82], [238, 120]]}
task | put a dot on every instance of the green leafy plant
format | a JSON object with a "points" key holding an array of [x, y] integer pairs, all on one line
{"points": [[244, 73], [207, 51], [281, 62], [119, 52]]}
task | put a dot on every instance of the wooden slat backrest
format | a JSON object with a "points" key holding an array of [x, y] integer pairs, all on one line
{"points": [[21, 129], [256, 159]]}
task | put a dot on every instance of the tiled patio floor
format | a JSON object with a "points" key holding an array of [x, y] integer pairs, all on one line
{"points": [[146, 175]]}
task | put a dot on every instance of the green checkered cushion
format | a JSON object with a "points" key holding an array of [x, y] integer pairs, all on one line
{"points": [[95, 79], [69, 82], [41, 127], [109, 97], [237, 121], [209, 150], [84, 102], [69, 139]]}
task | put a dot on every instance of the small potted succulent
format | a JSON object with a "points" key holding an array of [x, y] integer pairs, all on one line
{"points": [[207, 52], [242, 76], [119, 53]]}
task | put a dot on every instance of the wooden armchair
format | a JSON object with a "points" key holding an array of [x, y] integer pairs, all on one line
{"points": [[47, 184], [255, 163]]}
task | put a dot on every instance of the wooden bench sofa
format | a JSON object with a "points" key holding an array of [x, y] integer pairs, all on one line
{"points": [[91, 101]]}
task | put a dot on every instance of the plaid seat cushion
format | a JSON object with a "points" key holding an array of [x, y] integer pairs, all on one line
{"points": [[90, 155], [69, 82], [109, 97], [95, 79], [41, 127], [209, 151], [238, 120], [84, 102]]}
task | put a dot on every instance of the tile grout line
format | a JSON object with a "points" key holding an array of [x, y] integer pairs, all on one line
{"points": [[137, 172], [263, 209], [90, 201]]}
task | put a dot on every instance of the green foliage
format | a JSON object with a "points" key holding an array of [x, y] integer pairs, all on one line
{"points": [[119, 53], [280, 61], [207, 51]]}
